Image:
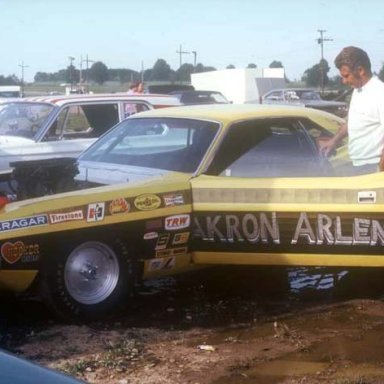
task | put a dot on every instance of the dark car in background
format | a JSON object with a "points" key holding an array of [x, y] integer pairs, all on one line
{"points": [[305, 97], [200, 97], [16, 370]]}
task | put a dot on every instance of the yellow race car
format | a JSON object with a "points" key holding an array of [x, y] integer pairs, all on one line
{"points": [[169, 190]]}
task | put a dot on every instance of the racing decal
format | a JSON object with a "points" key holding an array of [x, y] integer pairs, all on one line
{"points": [[150, 235], [173, 199], [147, 202], [12, 252], [55, 218], [177, 222], [298, 229], [162, 241], [172, 252], [24, 222], [95, 212], [119, 205], [162, 264], [180, 238], [154, 224]]}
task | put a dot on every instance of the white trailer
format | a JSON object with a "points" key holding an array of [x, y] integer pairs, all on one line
{"points": [[240, 85], [10, 91]]}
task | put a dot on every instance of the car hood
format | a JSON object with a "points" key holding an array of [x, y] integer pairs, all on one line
{"points": [[7, 140], [110, 174]]}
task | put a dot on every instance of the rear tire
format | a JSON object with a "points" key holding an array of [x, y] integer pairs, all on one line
{"points": [[88, 280]]}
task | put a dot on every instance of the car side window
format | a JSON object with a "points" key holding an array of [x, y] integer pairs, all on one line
{"points": [[83, 121], [275, 96], [130, 108], [268, 148]]}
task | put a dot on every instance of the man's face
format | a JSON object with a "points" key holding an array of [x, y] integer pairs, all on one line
{"points": [[352, 78]]}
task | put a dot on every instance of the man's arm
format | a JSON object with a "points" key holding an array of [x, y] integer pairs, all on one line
{"points": [[330, 145]]}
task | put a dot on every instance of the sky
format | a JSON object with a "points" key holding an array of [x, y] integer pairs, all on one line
{"points": [[41, 35]]}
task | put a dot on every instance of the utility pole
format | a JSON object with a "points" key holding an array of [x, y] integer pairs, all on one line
{"points": [[71, 59], [22, 77], [321, 42], [87, 61], [181, 53], [194, 60]]}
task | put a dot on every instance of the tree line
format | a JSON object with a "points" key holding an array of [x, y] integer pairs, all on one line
{"points": [[315, 76]]}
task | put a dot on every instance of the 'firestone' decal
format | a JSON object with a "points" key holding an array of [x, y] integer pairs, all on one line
{"points": [[55, 218]]}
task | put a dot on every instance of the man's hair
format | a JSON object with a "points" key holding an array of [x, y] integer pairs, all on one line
{"points": [[353, 57]]}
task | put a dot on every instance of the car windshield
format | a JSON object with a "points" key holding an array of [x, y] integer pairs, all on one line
{"points": [[308, 95], [23, 119], [163, 143]]}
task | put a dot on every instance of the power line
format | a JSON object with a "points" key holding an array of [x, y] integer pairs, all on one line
{"points": [[22, 76], [181, 53], [321, 41]]}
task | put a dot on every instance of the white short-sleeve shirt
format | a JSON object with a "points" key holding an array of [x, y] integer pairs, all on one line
{"points": [[366, 123]]}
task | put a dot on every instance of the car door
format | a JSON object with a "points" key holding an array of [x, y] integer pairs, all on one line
{"points": [[269, 198]]}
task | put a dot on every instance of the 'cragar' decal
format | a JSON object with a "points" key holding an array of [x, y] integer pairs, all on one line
{"points": [[12, 252], [24, 222]]}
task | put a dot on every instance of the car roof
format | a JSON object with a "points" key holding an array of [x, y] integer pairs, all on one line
{"points": [[59, 100], [193, 92], [293, 89], [232, 112]]}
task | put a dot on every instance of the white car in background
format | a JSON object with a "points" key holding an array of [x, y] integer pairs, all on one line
{"points": [[45, 127]]}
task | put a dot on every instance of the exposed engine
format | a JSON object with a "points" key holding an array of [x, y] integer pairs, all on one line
{"points": [[43, 177]]}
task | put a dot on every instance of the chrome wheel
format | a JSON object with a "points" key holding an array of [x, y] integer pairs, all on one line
{"points": [[91, 272]]}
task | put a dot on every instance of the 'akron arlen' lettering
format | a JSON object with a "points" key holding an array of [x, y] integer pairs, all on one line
{"points": [[329, 231], [248, 228], [319, 230]]}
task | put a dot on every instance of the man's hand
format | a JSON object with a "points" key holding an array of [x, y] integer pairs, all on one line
{"points": [[328, 147]]}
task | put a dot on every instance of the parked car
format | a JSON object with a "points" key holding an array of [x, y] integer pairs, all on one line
{"points": [[16, 370], [63, 126], [169, 190], [168, 88], [306, 98], [200, 97]]}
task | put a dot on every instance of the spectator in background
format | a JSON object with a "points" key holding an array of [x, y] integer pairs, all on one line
{"points": [[365, 124], [130, 108], [136, 88]]}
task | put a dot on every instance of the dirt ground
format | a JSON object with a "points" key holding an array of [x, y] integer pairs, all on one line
{"points": [[223, 326]]}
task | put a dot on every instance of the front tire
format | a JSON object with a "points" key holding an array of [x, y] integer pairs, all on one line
{"points": [[88, 280]]}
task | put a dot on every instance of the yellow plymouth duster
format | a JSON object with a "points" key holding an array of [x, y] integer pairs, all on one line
{"points": [[167, 190]]}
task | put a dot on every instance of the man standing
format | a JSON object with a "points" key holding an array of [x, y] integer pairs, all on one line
{"points": [[365, 126]]}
